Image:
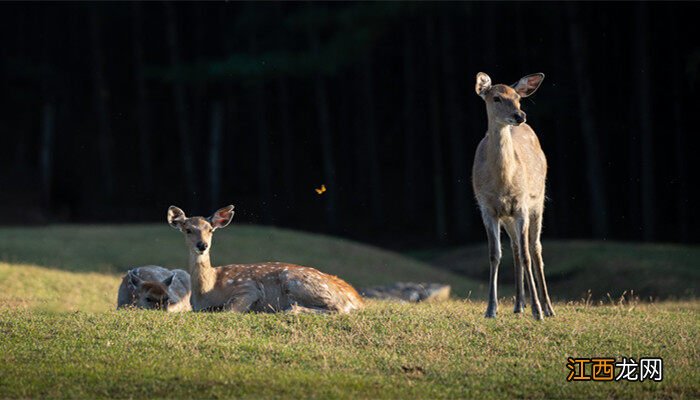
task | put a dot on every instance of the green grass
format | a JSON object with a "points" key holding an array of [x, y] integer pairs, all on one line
{"points": [[445, 350], [112, 249], [60, 336], [573, 268]]}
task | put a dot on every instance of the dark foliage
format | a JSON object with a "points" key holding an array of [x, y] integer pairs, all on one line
{"points": [[110, 112]]}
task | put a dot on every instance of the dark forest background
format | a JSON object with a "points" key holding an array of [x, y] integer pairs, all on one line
{"points": [[111, 112]]}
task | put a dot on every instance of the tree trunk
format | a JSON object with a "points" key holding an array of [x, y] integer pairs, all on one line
{"points": [[214, 155], [324, 127], [682, 197], [643, 116], [370, 133], [142, 108], [180, 107], [410, 192], [436, 142], [264, 159], [200, 87], [594, 172], [101, 98], [287, 141], [46, 154], [460, 171], [286, 123]]}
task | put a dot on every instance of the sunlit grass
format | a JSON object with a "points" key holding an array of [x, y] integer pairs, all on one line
{"points": [[385, 351], [61, 337], [113, 249]]}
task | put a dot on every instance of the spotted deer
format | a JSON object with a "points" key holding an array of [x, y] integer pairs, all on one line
{"points": [[509, 184], [262, 287], [154, 287]]}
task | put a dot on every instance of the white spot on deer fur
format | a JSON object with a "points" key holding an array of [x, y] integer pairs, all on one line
{"points": [[230, 281]]}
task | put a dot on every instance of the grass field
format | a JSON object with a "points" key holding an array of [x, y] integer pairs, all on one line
{"points": [[61, 337]]}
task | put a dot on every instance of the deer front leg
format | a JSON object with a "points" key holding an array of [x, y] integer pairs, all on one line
{"points": [[493, 233], [522, 226]]}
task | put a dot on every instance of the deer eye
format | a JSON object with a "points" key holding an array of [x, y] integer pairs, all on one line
{"points": [[188, 230], [497, 99]]}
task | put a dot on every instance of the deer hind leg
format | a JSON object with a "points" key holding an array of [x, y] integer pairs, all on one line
{"points": [[522, 231], [243, 297], [308, 293], [493, 232], [536, 250], [297, 309], [518, 268]]}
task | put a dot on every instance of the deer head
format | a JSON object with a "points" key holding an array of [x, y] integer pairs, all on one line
{"points": [[503, 101], [199, 231], [152, 294]]}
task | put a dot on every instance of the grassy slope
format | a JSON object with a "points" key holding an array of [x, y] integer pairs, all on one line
{"points": [[443, 350], [114, 249], [81, 348], [574, 267]]}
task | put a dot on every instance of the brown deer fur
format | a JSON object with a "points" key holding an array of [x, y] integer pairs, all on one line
{"points": [[509, 184], [262, 287]]}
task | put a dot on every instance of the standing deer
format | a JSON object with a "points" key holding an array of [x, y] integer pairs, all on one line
{"points": [[509, 183], [263, 287]]}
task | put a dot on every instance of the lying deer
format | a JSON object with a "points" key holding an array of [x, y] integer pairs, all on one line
{"points": [[509, 182], [263, 287], [154, 287]]}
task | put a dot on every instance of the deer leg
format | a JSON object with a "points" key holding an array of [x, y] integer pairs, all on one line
{"points": [[297, 309], [517, 266], [493, 232], [243, 297], [536, 250], [522, 227]]}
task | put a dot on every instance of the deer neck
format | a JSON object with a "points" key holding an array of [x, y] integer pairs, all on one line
{"points": [[500, 153], [203, 274]]}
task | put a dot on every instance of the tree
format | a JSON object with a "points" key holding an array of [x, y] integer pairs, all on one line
{"points": [[678, 131], [181, 111], [456, 130], [410, 175], [594, 172], [370, 134], [263, 135], [643, 117], [214, 155], [324, 128], [435, 133], [104, 132], [142, 109]]}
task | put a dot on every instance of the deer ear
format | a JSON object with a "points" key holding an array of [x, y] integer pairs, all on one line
{"points": [[483, 84], [176, 217], [222, 217], [134, 279], [527, 85], [169, 280]]}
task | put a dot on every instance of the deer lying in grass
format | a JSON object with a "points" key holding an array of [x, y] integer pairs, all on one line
{"points": [[154, 287], [509, 182], [263, 287]]}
